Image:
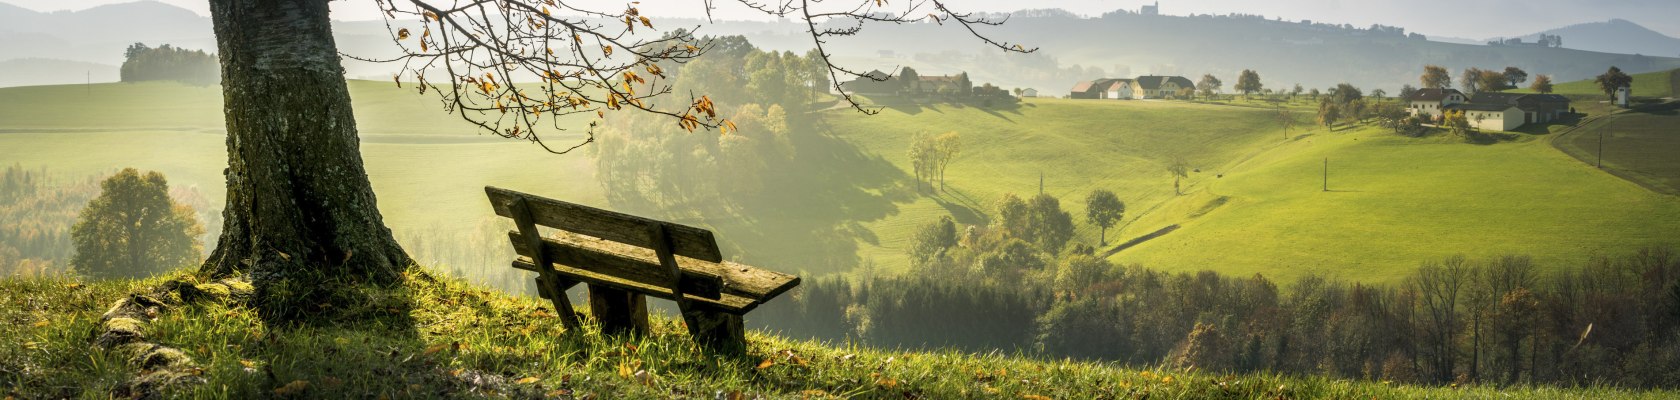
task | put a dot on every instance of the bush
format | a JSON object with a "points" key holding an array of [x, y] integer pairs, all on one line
{"points": [[133, 229]]}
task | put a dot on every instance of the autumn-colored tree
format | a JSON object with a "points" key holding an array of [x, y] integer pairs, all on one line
{"points": [[1612, 80], [1458, 124], [1104, 209], [1488, 80], [133, 229], [1542, 84], [1435, 77], [1470, 80]]}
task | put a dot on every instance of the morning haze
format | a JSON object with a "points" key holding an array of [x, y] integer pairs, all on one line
{"points": [[579, 200]]}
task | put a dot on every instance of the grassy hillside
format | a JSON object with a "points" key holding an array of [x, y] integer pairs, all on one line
{"points": [[442, 338], [1395, 202], [1654, 84], [1254, 206], [1075, 145]]}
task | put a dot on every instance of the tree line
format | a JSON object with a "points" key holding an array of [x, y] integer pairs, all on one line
{"points": [[1018, 283], [1496, 321], [166, 63]]}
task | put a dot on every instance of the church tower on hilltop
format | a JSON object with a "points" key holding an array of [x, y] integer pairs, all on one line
{"points": [[1152, 10]]}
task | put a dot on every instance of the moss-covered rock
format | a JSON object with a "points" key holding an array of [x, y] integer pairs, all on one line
{"points": [[120, 331]]}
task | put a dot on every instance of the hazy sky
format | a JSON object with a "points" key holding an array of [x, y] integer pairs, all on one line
{"points": [[1475, 19]]}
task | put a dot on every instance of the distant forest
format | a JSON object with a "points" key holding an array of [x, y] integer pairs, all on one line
{"points": [[37, 210], [1610, 321], [166, 63]]}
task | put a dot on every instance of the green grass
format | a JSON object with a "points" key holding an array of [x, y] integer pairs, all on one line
{"points": [[1653, 84], [1403, 201], [1077, 145], [1639, 145], [432, 339], [428, 168], [1395, 202]]}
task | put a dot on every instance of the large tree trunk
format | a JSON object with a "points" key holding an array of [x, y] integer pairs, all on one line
{"points": [[300, 210]]}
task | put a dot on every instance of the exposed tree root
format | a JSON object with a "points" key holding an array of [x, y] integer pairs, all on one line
{"points": [[123, 329]]}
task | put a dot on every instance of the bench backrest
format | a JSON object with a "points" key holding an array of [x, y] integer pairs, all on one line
{"points": [[686, 241]]}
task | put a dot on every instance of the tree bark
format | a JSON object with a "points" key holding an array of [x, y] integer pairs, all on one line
{"points": [[300, 209]]}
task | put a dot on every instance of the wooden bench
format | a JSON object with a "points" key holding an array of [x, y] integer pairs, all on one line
{"points": [[624, 258]]}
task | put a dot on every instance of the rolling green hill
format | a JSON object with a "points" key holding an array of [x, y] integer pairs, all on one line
{"points": [[1253, 206], [1256, 206], [1653, 84]]}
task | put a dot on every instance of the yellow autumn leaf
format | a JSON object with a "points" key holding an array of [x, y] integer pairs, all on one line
{"points": [[433, 349], [294, 388], [402, 34], [1034, 397], [527, 380], [766, 363], [42, 324], [607, 50]]}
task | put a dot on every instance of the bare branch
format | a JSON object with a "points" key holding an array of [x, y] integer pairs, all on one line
{"points": [[508, 64]]}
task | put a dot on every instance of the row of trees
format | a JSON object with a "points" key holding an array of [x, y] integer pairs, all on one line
{"points": [[1248, 82], [166, 63], [1476, 80], [1497, 320], [931, 154]]}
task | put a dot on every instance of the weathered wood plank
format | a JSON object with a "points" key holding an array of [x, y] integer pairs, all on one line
{"points": [[738, 279], [727, 302], [699, 283], [628, 229], [519, 209]]}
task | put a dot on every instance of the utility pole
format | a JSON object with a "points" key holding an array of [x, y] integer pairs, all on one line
{"points": [[1600, 149], [1041, 183], [90, 82], [1327, 174]]}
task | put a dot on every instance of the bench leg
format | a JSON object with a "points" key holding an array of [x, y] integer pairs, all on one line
{"points": [[562, 303], [618, 311], [719, 331]]}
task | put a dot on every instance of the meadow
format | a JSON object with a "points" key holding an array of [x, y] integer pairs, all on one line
{"points": [[449, 339], [1256, 203], [1252, 203]]}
